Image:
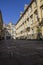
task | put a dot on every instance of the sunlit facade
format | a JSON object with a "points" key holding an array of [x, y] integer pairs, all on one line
{"points": [[10, 31], [30, 21]]}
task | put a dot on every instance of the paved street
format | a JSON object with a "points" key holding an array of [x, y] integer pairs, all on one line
{"points": [[21, 52]]}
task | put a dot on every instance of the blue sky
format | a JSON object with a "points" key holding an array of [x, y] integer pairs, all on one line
{"points": [[11, 9]]}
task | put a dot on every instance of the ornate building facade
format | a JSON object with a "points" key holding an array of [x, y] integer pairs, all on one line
{"points": [[30, 24], [10, 32]]}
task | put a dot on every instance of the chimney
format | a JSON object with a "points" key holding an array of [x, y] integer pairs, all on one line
{"points": [[25, 7], [21, 14]]}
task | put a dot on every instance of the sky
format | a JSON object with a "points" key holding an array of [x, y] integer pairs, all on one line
{"points": [[11, 9]]}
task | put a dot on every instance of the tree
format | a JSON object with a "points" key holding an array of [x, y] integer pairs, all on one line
{"points": [[38, 33]]}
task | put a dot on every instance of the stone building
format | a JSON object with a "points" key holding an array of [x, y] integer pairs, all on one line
{"points": [[30, 24], [1, 25], [10, 32]]}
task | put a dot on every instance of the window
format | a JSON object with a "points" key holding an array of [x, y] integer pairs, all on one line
{"points": [[30, 9], [23, 23], [42, 11], [21, 32], [27, 19], [32, 31], [34, 3], [28, 28], [31, 17], [36, 16]]}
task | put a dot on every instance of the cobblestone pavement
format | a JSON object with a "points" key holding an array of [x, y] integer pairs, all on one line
{"points": [[21, 52]]}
